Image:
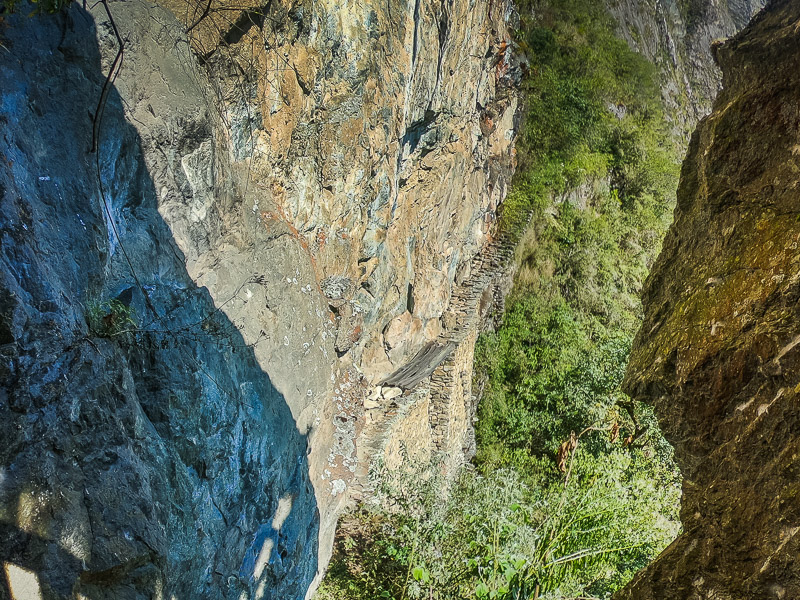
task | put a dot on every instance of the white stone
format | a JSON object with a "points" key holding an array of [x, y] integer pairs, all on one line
{"points": [[390, 393]]}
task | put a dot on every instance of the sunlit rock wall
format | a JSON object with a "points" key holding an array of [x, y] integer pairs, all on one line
{"points": [[677, 36]]}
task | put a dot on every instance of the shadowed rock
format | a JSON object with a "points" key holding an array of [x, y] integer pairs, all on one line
{"points": [[137, 461], [718, 354]]}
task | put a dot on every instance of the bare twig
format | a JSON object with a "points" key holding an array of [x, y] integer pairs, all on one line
{"points": [[202, 16], [575, 447], [638, 430]]}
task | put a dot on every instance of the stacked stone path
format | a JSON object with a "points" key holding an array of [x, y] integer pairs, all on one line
{"points": [[448, 360]]}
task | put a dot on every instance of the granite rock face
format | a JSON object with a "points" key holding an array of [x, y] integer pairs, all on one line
{"points": [[718, 352], [285, 206]]}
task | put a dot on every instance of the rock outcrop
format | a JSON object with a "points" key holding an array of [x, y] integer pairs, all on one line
{"points": [[678, 37], [210, 267], [159, 462], [718, 354]]}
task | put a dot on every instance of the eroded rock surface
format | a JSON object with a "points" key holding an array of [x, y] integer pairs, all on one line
{"points": [[678, 36], [291, 201], [151, 464], [719, 352]]}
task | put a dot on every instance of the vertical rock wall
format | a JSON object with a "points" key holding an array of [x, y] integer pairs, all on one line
{"points": [[286, 200], [718, 352], [158, 463], [677, 36]]}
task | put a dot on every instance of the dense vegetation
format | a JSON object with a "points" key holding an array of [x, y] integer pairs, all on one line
{"points": [[573, 488], [599, 171]]}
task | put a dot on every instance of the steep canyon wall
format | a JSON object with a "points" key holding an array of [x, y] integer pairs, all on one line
{"points": [[678, 37], [283, 205], [717, 354]]}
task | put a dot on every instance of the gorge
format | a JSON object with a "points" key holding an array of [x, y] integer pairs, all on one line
{"points": [[252, 265]]}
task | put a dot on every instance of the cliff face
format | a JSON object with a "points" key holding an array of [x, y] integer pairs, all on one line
{"points": [[280, 212], [677, 36], [718, 351]]}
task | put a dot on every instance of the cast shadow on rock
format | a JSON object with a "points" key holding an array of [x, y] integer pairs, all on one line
{"points": [[160, 462]]}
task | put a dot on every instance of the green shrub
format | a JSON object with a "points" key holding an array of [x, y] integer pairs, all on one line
{"points": [[505, 535], [601, 185], [110, 318], [579, 69]]}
